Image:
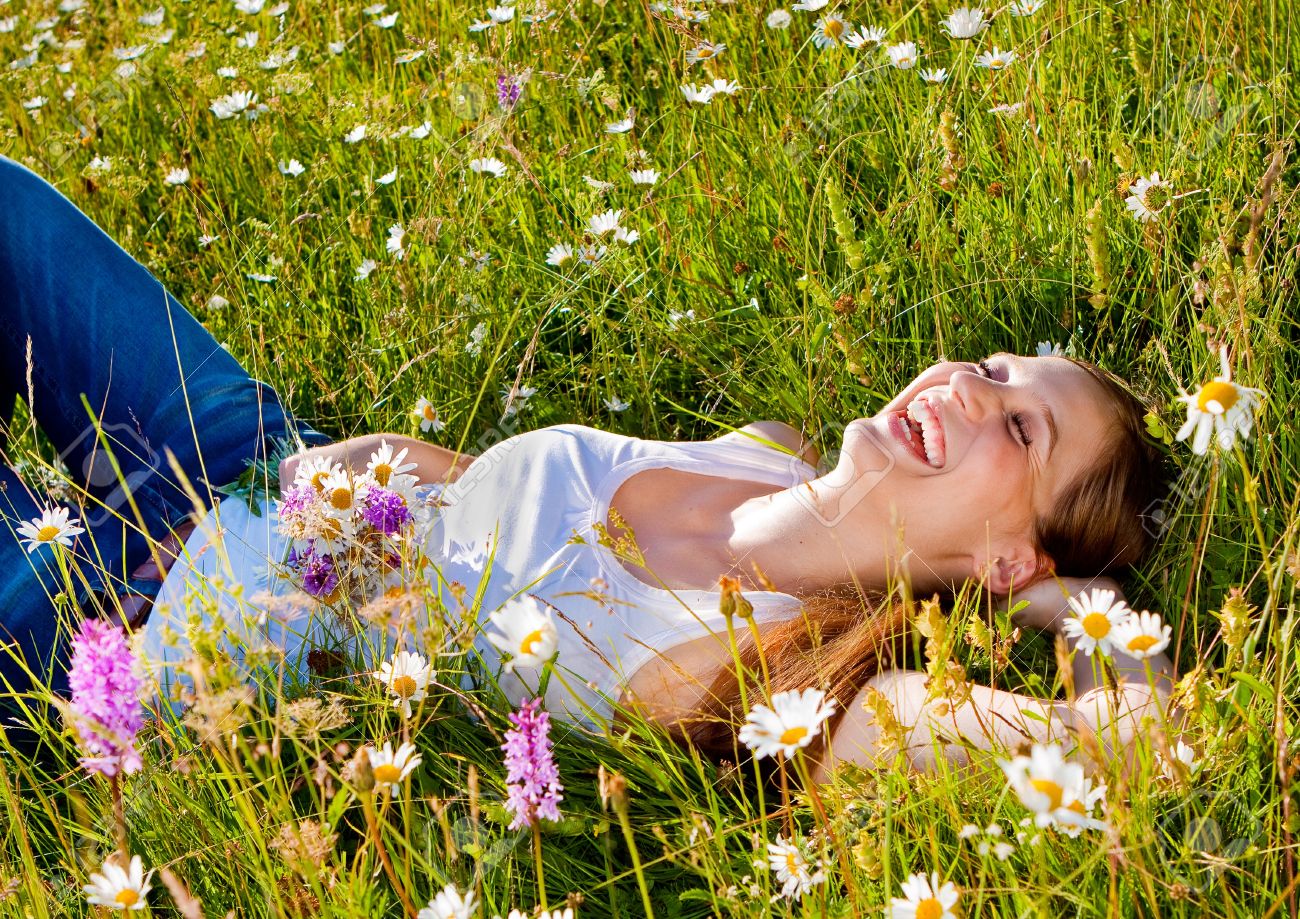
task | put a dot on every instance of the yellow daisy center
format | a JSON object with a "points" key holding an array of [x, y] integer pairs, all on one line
{"points": [[1055, 793], [792, 862], [127, 897], [47, 533], [383, 472], [1097, 625], [929, 908], [430, 414], [1225, 394], [1141, 642], [1076, 806], [704, 52], [404, 686], [794, 735], [387, 772], [532, 639], [341, 498], [834, 28], [318, 479]]}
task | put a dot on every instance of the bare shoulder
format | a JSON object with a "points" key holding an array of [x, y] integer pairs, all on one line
{"points": [[776, 434]]}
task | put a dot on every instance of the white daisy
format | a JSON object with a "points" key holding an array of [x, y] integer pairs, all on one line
{"points": [[604, 223], [291, 168], [481, 25], [778, 19], [409, 57], [314, 471], [449, 904], [793, 721], [34, 103], [559, 255], [388, 178], [723, 87], [385, 22], [1007, 109], [355, 135], [229, 106], [406, 675], [249, 7], [1048, 785], [704, 51], [365, 268], [55, 525], [1148, 197], [830, 30], [1181, 759], [247, 40], [615, 404], [793, 870], [119, 888], [964, 22], [337, 47], [924, 898], [396, 237], [1095, 617], [588, 256], [598, 184], [500, 14], [427, 416], [1049, 349], [625, 236], [996, 59], [935, 76], [384, 464], [217, 302], [1144, 635], [421, 131], [489, 164], [902, 55], [177, 176], [622, 126], [390, 767], [152, 18], [643, 176], [339, 494], [865, 37], [697, 95], [1219, 410], [526, 632], [227, 73], [810, 6], [1076, 815], [1025, 7]]}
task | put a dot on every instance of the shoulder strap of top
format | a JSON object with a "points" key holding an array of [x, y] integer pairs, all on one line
{"points": [[748, 455]]}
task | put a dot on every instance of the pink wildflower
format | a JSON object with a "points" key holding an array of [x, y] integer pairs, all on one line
{"points": [[105, 698], [532, 781]]}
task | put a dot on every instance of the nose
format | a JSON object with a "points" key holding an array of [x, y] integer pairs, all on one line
{"points": [[977, 395]]}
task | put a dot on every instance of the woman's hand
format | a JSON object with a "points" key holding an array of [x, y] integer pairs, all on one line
{"points": [[432, 463], [1048, 600]]}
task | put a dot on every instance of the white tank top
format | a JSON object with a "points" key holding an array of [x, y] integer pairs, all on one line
{"points": [[535, 491]]}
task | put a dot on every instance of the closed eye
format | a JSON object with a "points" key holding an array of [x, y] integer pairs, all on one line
{"points": [[1017, 420]]}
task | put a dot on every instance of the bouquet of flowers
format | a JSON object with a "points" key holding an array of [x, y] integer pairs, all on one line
{"points": [[346, 529]]}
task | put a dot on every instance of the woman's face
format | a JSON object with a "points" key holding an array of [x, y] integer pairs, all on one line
{"points": [[969, 455]]}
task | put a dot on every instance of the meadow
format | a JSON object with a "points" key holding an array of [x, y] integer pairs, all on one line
{"points": [[372, 205]]}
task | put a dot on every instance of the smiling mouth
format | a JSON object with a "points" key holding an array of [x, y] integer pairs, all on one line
{"points": [[920, 430]]}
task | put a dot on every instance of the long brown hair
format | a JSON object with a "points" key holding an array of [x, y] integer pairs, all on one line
{"points": [[845, 636]]}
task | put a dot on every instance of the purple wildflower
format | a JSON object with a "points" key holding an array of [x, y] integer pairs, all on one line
{"points": [[296, 500], [385, 510], [532, 781], [509, 88], [105, 698], [318, 575]]}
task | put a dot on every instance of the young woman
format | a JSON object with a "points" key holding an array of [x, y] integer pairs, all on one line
{"points": [[1008, 470]]}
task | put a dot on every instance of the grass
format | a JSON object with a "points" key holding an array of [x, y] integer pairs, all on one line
{"points": [[834, 227]]}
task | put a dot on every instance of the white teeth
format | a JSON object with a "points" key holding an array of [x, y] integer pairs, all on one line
{"points": [[925, 417]]}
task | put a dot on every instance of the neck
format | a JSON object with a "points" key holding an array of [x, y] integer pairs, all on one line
{"points": [[799, 541]]}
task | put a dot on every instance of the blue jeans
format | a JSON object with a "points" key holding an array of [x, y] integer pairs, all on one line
{"points": [[79, 317]]}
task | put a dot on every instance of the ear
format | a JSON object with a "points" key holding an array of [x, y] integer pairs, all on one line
{"points": [[1018, 566]]}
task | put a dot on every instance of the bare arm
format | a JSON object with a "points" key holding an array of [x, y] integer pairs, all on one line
{"points": [[432, 463], [1100, 718]]}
